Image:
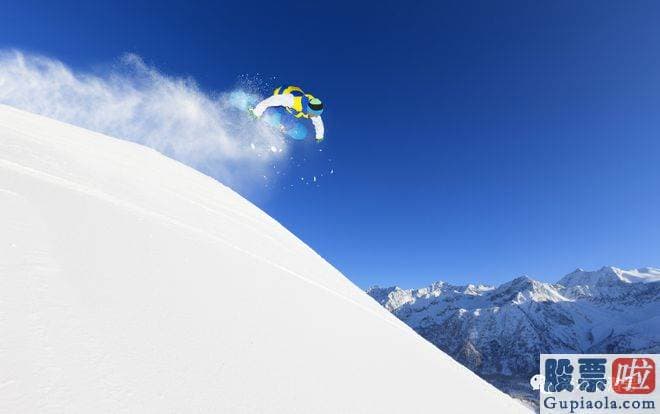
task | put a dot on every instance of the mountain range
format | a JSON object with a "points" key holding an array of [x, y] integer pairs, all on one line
{"points": [[499, 332]]}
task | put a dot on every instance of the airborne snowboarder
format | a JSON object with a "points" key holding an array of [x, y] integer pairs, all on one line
{"points": [[298, 103]]}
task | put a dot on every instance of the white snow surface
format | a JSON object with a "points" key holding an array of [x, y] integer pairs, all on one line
{"points": [[132, 283], [608, 275]]}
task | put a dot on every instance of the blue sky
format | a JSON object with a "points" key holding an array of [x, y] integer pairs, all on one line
{"points": [[472, 141]]}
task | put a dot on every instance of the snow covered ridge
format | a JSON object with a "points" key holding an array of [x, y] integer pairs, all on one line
{"points": [[132, 283], [499, 332], [134, 101]]}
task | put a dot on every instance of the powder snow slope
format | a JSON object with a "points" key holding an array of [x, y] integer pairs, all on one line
{"points": [[132, 283]]}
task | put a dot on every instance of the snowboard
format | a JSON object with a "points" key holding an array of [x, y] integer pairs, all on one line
{"points": [[276, 118]]}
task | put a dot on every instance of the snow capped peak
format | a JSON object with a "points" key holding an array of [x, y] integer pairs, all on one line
{"points": [[610, 276], [608, 281], [477, 289], [516, 285], [523, 289], [391, 297], [523, 281], [382, 294], [605, 274], [642, 275], [375, 289]]}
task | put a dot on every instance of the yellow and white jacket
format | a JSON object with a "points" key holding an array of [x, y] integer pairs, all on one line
{"points": [[292, 98]]}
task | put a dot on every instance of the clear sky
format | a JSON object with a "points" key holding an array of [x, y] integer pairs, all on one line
{"points": [[471, 140]]}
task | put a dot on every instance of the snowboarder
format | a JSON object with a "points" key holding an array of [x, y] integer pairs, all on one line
{"points": [[297, 103]]}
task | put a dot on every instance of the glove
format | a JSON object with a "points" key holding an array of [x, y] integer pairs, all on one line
{"points": [[319, 139]]}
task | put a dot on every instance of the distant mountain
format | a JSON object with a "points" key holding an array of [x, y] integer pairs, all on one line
{"points": [[499, 332]]}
